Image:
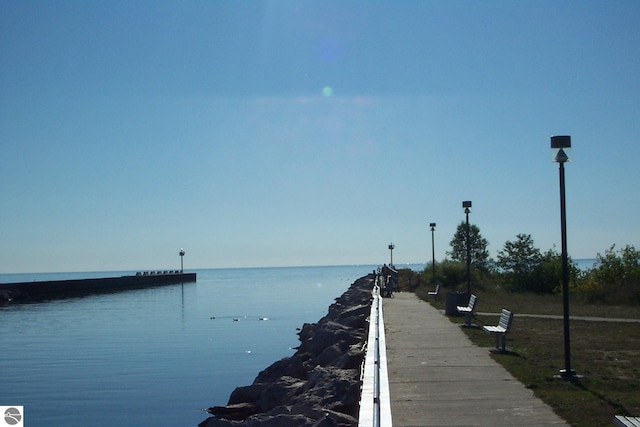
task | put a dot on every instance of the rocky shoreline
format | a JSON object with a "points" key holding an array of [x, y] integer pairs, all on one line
{"points": [[320, 384]]}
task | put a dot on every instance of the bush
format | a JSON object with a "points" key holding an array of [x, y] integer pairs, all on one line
{"points": [[449, 274], [615, 278], [589, 289], [410, 281], [523, 268], [549, 273]]}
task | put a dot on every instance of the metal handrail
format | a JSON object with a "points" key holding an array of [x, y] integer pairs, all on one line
{"points": [[372, 402]]}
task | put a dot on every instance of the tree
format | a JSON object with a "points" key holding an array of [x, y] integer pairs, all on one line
{"points": [[519, 261], [477, 244], [549, 273], [525, 268]]}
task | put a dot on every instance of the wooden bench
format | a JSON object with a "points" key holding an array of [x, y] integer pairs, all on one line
{"points": [[468, 310], [500, 331], [622, 421], [435, 293]]}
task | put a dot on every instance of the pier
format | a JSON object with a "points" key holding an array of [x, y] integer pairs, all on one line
{"points": [[56, 289]]}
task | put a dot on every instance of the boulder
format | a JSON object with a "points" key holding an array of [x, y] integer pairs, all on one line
{"points": [[320, 384]]}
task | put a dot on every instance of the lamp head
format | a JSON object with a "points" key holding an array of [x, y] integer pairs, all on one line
{"points": [[432, 225], [560, 148]]}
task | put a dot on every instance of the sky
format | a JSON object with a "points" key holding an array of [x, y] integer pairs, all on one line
{"points": [[292, 133]]}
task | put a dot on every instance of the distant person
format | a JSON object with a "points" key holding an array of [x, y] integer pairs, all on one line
{"points": [[386, 272], [388, 287]]}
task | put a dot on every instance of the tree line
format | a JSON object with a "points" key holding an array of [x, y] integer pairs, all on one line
{"points": [[522, 267]]}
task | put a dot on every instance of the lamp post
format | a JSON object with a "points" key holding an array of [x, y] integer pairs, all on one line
{"points": [[391, 247], [181, 260], [433, 253], [560, 145], [466, 205]]}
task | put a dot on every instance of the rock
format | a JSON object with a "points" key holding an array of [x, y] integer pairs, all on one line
{"points": [[320, 384], [250, 393], [355, 317], [331, 353], [329, 333], [289, 366], [279, 393], [239, 411]]}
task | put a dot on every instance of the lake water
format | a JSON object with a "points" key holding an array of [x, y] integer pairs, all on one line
{"points": [[586, 263], [158, 356]]}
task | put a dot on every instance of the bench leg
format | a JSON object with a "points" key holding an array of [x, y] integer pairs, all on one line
{"points": [[468, 319]]}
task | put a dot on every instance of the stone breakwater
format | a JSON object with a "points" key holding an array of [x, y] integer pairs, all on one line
{"points": [[320, 384], [55, 289]]}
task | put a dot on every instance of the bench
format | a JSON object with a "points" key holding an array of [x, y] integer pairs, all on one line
{"points": [[622, 421], [500, 331], [468, 310], [435, 293]]}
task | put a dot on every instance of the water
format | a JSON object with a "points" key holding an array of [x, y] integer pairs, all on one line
{"points": [[156, 357], [585, 264]]}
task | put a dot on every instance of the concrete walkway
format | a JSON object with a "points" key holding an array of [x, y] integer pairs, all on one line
{"points": [[437, 377]]}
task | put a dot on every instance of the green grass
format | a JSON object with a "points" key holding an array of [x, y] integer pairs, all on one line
{"points": [[606, 354]]}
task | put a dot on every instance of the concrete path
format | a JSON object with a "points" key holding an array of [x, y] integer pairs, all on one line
{"points": [[437, 377]]}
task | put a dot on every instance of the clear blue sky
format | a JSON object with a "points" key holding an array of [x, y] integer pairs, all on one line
{"points": [[281, 133]]}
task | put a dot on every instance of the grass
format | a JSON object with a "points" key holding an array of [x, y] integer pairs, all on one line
{"points": [[605, 354]]}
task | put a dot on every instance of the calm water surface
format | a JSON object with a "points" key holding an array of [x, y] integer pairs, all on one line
{"points": [[156, 357]]}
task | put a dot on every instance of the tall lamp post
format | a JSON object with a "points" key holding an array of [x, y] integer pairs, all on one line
{"points": [[433, 253], [560, 145], [181, 260], [391, 247], [466, 205]]}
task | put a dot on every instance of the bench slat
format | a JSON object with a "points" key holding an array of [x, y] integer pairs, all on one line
{"points": [[495, 329], [623, 421], [505, 318]]}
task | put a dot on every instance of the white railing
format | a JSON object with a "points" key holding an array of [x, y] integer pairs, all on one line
{"points": [[375, 406]]}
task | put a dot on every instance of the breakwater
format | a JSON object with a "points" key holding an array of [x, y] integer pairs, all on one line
{"points": [[55, 289], [320, 384]]}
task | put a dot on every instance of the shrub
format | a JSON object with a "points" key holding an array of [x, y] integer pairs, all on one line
{"points": [[409, 280], [614, 279]]}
